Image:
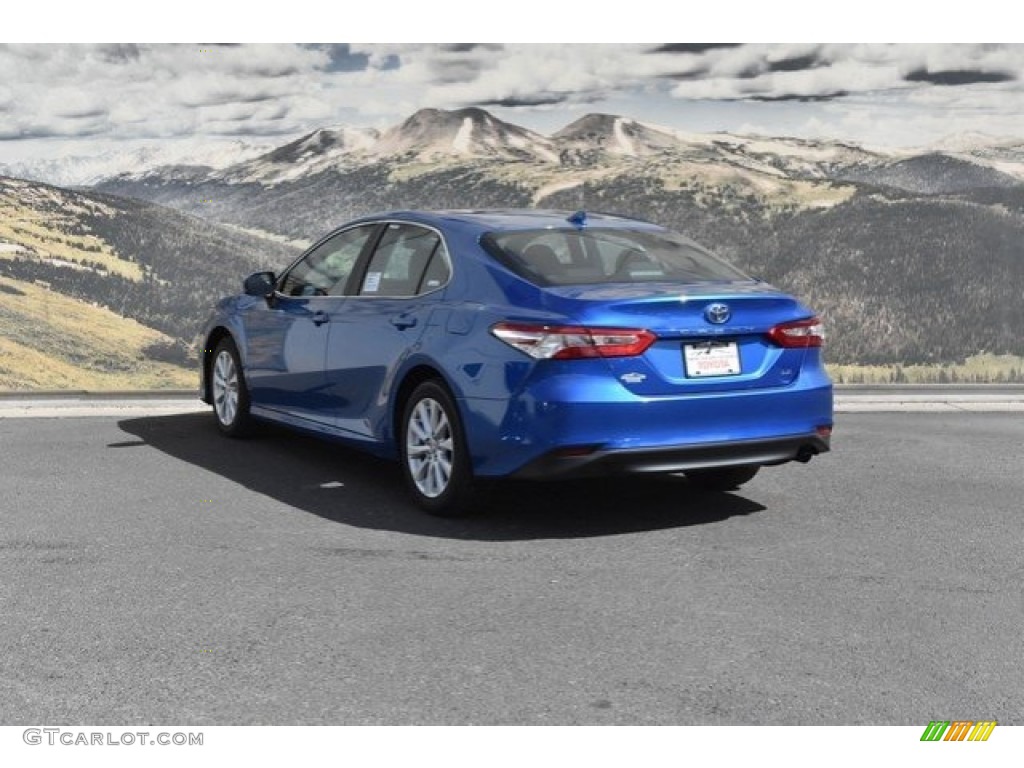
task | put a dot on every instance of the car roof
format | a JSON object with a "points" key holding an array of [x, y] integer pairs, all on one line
{"points": [[511, 219]]}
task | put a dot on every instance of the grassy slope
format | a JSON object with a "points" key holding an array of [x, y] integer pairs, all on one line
{"points": [[51, 341], [102, 293], [978, 369], [42, 221]]}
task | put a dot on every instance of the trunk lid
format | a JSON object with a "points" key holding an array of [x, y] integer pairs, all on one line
{"points": [[679, 315]]}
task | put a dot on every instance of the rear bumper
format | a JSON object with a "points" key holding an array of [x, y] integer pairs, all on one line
{"points": [[595, 417], [571, 462]]}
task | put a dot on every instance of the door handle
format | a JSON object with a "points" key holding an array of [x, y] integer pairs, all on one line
{"points": [[401, 322], [319, 317]]}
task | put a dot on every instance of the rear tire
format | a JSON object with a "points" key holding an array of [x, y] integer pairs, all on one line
{"points": [[228, 392], [724, 479], [435, 459]]}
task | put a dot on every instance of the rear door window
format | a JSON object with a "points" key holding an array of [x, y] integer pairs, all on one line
{"points": [[407, 261]]}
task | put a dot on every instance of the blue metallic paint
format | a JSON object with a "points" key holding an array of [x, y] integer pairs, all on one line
{"points": [[340, 378]]}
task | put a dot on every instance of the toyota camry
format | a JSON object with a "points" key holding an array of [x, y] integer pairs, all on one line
{"points": [[473, 345]]}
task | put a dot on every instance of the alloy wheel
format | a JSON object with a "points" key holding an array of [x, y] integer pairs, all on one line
{"points": [[225, 387], [430, 449]]}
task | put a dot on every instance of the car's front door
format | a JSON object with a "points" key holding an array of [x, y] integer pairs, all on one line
{"points": [[286, 337], [381, 323]]}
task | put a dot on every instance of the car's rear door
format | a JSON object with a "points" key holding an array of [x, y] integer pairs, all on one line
{"points": [[380, 324]]}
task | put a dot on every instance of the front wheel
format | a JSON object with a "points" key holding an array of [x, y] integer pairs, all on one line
{"points": [[724, 479], [227, 388], [435, 460]]}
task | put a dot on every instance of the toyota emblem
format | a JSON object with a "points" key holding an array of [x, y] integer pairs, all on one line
{"points": [[717, 313]]}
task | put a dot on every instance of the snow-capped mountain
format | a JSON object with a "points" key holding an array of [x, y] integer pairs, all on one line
{"points": [[439, 158], [464, 133], [599, 137], [311, 154], [86, 170], [430, 135], [615, 135], [473, 136]]}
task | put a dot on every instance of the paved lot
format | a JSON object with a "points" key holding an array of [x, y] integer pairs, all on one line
{"points": [[904, 398], [153, 572]]}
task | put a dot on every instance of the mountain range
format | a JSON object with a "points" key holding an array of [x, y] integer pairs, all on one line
{"points": [[473, 133], [910, 256], [331, 174]]}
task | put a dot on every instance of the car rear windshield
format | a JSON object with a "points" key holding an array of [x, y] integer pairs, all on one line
{"points": [[594, 256]]}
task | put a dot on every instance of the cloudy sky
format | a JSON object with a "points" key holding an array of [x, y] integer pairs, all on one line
{"points": [[88, 98]]}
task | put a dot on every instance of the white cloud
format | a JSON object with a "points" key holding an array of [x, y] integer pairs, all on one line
{"points": [[127, 92], [138, 91]]}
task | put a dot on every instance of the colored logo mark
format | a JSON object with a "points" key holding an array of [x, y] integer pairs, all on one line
{"points": [[958, 730]]}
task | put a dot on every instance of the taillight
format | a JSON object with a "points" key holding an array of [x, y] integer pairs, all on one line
{"points": [[801, 333], [558, 342]]}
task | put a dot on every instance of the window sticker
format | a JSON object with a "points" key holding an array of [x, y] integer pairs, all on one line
{"points": [[372, 282]]}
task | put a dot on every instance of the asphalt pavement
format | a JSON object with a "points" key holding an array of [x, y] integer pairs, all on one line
{"points": [[895, 398], [152, 571]]}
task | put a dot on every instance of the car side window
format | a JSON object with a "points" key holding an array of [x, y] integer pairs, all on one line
{"points": [[438, 271], [408, 260], [325, 270]]}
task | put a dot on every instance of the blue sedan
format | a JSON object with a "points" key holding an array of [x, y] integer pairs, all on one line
{"points": [[520, 343]]}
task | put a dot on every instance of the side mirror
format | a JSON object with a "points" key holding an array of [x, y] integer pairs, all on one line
{"points": [[259, 284]]}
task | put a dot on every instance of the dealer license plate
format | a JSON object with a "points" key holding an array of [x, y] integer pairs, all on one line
{"points": [[711, 358]]}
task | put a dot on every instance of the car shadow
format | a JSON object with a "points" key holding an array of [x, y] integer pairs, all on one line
{"points": [[347, 486]]}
